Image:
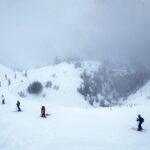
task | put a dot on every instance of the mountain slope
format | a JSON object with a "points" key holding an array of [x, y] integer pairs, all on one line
{"points": [[73, 124]]}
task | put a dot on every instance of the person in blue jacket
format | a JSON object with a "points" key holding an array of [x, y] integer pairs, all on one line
{"points": [[140, 120]]}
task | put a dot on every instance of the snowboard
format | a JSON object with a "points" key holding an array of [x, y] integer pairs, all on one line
{"points": [[18, 111], [136, 129], [46, 115]]}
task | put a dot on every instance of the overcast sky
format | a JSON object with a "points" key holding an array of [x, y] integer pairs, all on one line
{"points": [[34, 32]]}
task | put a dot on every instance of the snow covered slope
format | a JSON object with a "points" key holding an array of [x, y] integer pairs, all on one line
{"points": [[73, 124], [63, 76], [141, 97]]}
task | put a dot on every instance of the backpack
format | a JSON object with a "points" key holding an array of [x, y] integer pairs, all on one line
{"points": [[142, 120]]}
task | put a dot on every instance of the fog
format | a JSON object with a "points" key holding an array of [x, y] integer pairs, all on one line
{"points": [[34, 32]]}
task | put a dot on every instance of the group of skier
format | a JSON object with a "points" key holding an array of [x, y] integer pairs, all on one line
{"points": [[43, 109], [15, 77], [140, 119]]}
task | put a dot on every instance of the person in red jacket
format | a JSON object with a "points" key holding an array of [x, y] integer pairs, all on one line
{"points": [[43, 110]]}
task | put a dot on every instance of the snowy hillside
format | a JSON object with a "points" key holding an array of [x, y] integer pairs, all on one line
{"points": [[80, 83], [73, 123], [65, 76]]}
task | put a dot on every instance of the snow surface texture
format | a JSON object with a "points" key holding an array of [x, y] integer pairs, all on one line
{"points": [[73, 124]]}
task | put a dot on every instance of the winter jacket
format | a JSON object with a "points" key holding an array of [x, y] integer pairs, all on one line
{"points": [[18, 104], [140, 119], [43, 110]]}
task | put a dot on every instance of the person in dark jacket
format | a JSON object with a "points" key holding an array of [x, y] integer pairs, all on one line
{"points": [[140, 120], [3, 99], [18, 106], [5, 76], [43, 110]]}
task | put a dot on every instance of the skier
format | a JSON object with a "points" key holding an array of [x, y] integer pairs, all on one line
{"points": [[15, 76], [26, 74], [5, 76], [3, 99], [18, 106], [140, 120], [43, 110], [9, 82]]}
